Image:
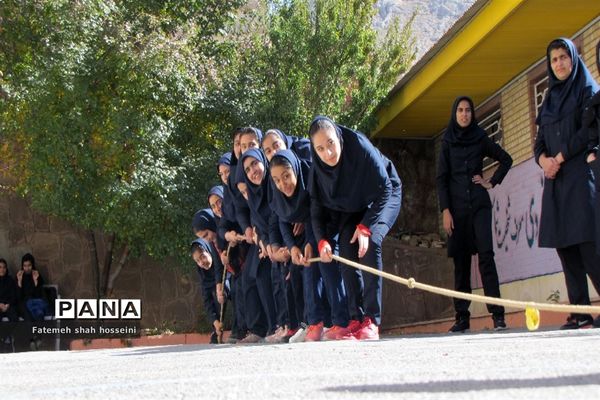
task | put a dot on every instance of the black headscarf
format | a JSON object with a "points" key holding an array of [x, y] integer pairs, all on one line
{"points": [[233, 160], [8, 288], [204, 219], [456, 134], [219, 192], [208, 277], [297, 207], [258, 195], [239, 174], [288, 140], [215, 190], [225, 160], [202, 244], [257, 132], [228, 194], [29, 290], [356, 181], [300, 146], [565, 97], [240, 131], [235, 176]]}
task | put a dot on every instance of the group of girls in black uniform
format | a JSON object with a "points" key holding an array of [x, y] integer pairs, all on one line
{"points": [[285, 200]]}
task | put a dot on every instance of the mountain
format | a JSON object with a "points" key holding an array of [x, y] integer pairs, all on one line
{"points": [[434, 18]]}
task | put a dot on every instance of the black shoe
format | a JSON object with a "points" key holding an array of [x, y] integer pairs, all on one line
{"points": [[499, 323], [7, 345], [214, 338], [578, 322], [460, 325], [597, 322]]}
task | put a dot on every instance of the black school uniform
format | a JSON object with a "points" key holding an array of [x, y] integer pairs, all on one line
{"points": [[461, 158], [567, 219]]}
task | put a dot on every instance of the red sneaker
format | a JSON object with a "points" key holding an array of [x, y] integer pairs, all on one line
{"points": [[314, 332], [368, 330], [291, 332], [354, 326], [337, 332]]}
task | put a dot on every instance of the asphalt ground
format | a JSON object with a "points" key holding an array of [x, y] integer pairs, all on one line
{"points": [[508, 365]]}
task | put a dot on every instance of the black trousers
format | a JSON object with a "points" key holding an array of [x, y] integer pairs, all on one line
{"points": [[279, 292], [363, 289], [255, 314], [476, 231], [237, 297], [577, 261], [265, 290], [295, 295]]}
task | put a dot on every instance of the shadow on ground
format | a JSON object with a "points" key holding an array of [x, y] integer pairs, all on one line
{"points": [[473, 385]]}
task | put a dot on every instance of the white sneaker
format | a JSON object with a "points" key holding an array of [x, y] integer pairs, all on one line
{"points": [[299, 335]]}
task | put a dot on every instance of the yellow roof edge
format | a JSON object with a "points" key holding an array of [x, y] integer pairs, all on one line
{"points": [[473, 32]]}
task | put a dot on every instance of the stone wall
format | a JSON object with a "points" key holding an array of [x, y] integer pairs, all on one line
{"points": [[415, 162], [170, 297], [402, 305]]}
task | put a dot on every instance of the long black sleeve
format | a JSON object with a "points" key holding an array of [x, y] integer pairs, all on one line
{"points": [[242, 214], [207, 283], [210, 305], [29, 290], [593, 133], [217, 265], [578, 142], [8, 291], [287, 233], [317, 217], [442, 178], [275, 235], [495, 152], [539, 147], [591, 120], [376, 212]]}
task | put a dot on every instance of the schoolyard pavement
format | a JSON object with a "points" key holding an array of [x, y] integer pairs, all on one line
{"points": [[510, 365]]}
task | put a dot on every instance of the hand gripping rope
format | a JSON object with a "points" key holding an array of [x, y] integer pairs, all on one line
{"points": [[532, 309]]}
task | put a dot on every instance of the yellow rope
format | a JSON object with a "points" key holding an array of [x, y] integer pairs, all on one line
{"points": [[411, 283], [220, 334]]}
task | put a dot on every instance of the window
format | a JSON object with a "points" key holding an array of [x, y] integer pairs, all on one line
{"points": [[489, 117], [540, 88]]}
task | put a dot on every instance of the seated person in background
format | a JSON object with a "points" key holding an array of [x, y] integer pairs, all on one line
{"points": [[8, 294], [33, 305]]}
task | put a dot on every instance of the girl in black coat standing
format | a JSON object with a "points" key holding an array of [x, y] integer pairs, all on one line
{"points": [[567, 220], [466, 206]]}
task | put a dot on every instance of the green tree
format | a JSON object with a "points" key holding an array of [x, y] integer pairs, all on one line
{"points": [[297, 59], [112, 113], [97, 118]]}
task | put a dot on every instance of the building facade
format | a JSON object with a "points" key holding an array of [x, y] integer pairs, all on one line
{"points": [[496, 54]]}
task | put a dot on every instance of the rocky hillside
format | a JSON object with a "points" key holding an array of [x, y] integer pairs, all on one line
{"points": [[434, 17]]}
